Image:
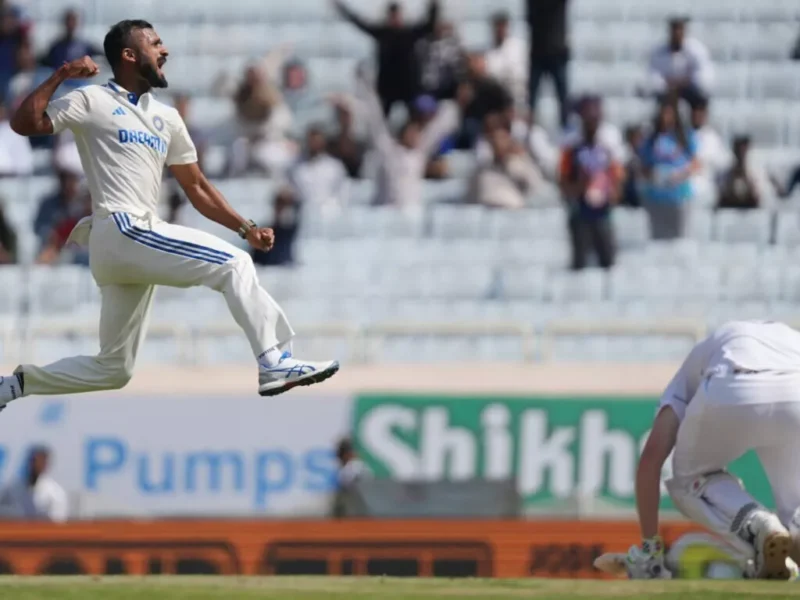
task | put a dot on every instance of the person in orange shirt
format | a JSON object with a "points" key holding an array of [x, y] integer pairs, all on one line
{"points": [[591, 180]]}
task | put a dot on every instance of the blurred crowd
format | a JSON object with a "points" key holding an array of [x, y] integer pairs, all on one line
{"points": [[429, 99]]}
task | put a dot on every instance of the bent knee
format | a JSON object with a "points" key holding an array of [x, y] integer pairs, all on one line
{"points": [[116, 373]]}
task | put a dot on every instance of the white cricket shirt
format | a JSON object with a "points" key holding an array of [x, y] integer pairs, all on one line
{"points": [[124, 141], [737, 345]]}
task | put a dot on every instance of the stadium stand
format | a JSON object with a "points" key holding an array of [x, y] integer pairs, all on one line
{"points": [[445, 281]]}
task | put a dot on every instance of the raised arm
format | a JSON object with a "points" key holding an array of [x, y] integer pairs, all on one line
{"points": [[32, 118], [446, 121], [368, 28], [378, 129], [429, 24]]}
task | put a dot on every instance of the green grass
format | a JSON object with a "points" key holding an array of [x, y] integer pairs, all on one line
{"points": [[347, 588]]}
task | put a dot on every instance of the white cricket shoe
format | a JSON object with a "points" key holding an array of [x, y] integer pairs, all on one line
{"points": [[290, 373], [772, 544], [10, 389]]}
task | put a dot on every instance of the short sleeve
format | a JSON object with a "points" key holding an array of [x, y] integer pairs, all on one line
{"points": [[181, 147], [70, 111], [676, 396]]}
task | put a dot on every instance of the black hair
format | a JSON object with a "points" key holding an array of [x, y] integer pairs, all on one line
{"points": [[118, 38], [344, 448], [394, 7], [501, 17], [680, 132]]}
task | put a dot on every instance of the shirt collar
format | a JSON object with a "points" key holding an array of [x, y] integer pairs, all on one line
{"points": [[132, 98]]}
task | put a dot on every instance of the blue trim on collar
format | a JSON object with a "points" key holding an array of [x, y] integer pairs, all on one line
{"points": [[132, 98]]}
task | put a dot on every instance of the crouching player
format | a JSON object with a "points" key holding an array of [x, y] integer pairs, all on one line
{"points": [[738, 390]]}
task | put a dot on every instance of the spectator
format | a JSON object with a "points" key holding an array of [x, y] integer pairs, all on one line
{"points": [[483, 147], [739, 187], [285, 224], [507, 61], [402, 161], [441, 60], [398, 65], [488, 97], [16, 154], [668, 159], [713, 155], [509, 179], [634, 172], [176, 197], [26, 78], [550, 51], [13, 42], [69, 46], [351, 471], [36, 496], [56, 207], [607, 134], [55, 248], [682, 65], [351, 468], [591, 180], [343, 144], [263, 122], [319, 181]]}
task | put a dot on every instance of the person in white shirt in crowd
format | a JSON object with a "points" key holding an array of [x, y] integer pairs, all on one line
{"points": [[713, 155], [507, 60], [402, 160], [738, 390], [36, 496], [509, 179], [682, 65], [16, 154], [319, 181]]}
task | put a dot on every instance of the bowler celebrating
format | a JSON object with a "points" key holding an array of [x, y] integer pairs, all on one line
{"points": [[738, 390], [125, 136]]}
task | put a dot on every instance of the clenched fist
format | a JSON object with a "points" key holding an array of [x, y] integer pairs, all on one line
{"points": [[81, 68], [261, 238]]}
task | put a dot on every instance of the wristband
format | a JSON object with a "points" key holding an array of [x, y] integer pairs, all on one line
{"points": [[246, 227]]}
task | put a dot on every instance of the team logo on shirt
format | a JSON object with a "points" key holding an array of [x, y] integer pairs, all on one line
{"points": [[158, 122]]}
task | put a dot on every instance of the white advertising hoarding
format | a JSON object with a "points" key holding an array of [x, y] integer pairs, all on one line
{"points": [[154, 456]]}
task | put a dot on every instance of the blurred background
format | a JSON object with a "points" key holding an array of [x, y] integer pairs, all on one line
{"points": [[509, 220]]}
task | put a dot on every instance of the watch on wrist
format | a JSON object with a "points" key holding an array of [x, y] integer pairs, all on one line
{"points": [[246, 227]]}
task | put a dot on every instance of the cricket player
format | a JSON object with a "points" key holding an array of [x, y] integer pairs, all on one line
{"points": [[125, 136], [738, 390]]}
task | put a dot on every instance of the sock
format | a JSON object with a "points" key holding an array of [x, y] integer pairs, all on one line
{"points": [[270, 358]]}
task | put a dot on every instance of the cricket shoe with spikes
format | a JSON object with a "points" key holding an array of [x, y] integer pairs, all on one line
{"points": [[291, 372], [772, 544]]}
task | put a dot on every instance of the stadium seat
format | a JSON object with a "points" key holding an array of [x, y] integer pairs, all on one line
{"points": [[524, 282], [761, 282], [631, 226], [531, 224], [750, 226], [458, 221], [588, 285]]}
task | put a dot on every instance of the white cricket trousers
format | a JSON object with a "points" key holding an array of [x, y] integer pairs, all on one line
{"points": [[128, 257], [733, 413]]}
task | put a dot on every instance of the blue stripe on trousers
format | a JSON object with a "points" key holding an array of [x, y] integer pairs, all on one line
{"points": [[127, 232]]}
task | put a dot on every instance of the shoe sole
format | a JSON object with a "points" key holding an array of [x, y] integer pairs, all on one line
{"points": [[317, 377], [775, 551]]}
